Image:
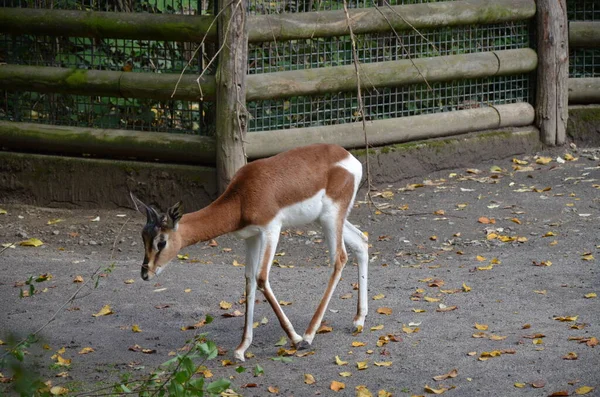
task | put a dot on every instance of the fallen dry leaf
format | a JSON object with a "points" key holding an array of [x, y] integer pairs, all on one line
{"points": [[345, 374], [273, 389], [385, 310], [135, 328], [538, 384], [309, 379], [361, 365], [378, 297], [383, 363], [520, 385], [583, 390], [225, 305], [481, 327], [323, 329], [357, 344], [570, 356], [78, 279], [362, 391], [451, 374], [86, 350], [430, 389], [32, 242], [337, 386], [543, 160], [339, 361], [566, 318], [105, 311], [560, 393], [377, 327], [58, 390], [591, 295]]}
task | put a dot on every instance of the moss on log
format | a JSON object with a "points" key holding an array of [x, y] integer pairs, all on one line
{"points": [[105, 83], [307, 25], [396, 130], [393, 73], [584, 90], [141, 145], [98, 24], [584, 34]]}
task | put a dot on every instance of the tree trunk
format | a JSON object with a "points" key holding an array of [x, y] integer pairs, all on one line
{"points": [[553, 71], [231, 91]]}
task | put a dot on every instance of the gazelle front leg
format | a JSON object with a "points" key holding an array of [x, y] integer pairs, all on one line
{"points": [[252, 255], [358, 243], [268, 245]]}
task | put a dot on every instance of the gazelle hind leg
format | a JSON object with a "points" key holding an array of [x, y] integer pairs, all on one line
{"points": [[252, 256], [357, 242], [269, 244], [333, 228]]}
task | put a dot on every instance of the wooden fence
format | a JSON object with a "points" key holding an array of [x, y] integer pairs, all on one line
{"points": [[231, 87]]}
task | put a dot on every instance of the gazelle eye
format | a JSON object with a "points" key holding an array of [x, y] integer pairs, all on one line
{"points": [[161, 245]]}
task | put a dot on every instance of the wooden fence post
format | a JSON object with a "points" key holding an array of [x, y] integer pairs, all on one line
{"points": [[553, 71], [231, 90]]}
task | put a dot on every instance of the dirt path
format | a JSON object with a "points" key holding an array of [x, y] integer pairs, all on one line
{"points": [[507, 250]]}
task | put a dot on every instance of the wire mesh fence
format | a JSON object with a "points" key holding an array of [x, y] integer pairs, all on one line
{"points": [[107, 54], [584, 62], [198, 118], [386, 102]]}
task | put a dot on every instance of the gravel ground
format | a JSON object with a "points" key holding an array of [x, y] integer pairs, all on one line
{"points": [[476, 266]]}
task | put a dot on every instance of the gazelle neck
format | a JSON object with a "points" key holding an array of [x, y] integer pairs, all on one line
{"points": [[220, 217]]}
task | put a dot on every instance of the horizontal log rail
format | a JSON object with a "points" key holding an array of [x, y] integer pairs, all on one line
{"points": [[141, 145], [287, 26], [584, 90], [193, 149], [267, 86], [396, 130], [389, 74], [584, 34]]}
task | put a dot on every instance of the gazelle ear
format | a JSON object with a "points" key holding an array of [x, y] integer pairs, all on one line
{"points": [[151, 214], [174, 214]]}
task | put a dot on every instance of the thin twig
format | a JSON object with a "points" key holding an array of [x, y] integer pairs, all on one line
{"points": [[402, 43], [193, 57], [71, 298]]}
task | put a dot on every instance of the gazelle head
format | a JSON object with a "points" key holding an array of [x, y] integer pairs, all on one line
{"points": [[161, 240]]}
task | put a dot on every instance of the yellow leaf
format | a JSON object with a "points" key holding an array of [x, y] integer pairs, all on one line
{"points": [[520, 162], [361, 365], [54, 221], [543, 160], [549, 234], [273, 389], [409, 330], [237, 264], [309, 379], [497, 337], [520, 385], [339, 361], [383, 393], [345, 374], [285, 303], [135, 328], [384, 310], [377, 327], [419, 310], [583, 390], [358, 344], [183, 257], [32, 242], [225, 305], [430, 299], [489, 267], [187, 290], [323, 329], [566, 318], [516, 220], [570, 356], [383, 363], [378, 297], [3, 212], [129, 281], [362, 391], [58, 390], [63, 361], [481, 327], [588, 257], [480, 258], [466, 288], [590, 295], [388, 194], [429, 389], [337, 386], [105, 311], [538, 341], [451, 374], [78, 279], [86, 350]]}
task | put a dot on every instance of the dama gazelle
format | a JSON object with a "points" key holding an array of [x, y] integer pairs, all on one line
{"points": [[315, 183]]}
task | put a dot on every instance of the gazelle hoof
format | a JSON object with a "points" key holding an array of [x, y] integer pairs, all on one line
{"points": [[239, 356], [302, 345]]}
